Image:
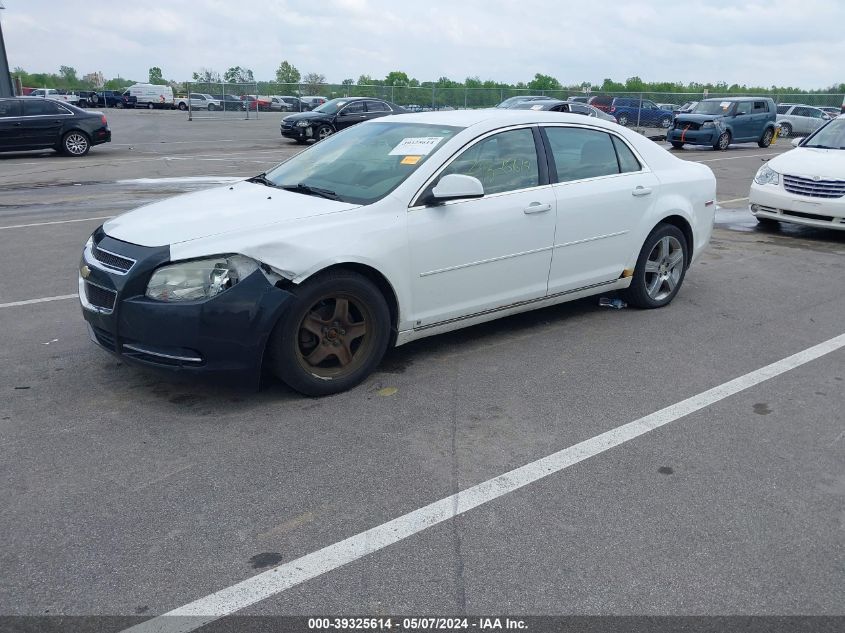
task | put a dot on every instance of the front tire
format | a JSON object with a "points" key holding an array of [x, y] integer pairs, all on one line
{"points": [[333, 336], [622, 119], [75, 143], [660, 269], [323, 131], [785, 129], [150, 105], [183, 107], [723, 142], [767, 137], [677, 145]]}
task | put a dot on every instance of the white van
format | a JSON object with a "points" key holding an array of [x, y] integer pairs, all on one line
{"points": [[151, 96]]}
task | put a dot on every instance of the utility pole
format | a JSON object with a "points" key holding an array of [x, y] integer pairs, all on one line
{"points": [[6, 89]]}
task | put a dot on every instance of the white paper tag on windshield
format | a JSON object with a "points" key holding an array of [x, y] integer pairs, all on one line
{"points": [[418, 146], [725, 104]]}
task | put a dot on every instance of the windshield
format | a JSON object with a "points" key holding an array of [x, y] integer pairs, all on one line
{"points": [[713, 107], [331, 107], [363, 163], [831, 136]]}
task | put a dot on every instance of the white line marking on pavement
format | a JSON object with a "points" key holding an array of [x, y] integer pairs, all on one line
{"points": [[24, 226], [713, 160], [31, 301], [273, 581], [734, 200]]}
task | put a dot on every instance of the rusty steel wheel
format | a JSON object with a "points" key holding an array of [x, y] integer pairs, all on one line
{"points": [[333, 336]]}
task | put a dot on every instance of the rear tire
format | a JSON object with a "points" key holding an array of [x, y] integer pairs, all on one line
{"points": [[622, 119], [660, 269], [333, 336], [785, 129], [150, 105], [665, 122], [75, 143], [767, 137], [183, 107]]}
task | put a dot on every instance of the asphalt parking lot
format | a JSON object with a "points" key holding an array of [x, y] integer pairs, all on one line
{"points": [[130, 493]]}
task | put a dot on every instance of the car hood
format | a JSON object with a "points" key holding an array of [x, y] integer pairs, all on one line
{"points": [[239, 207], [827, 164], [697, 118], [307, 116]]}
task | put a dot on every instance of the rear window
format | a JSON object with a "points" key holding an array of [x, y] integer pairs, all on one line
{"points": [[580, 153], [761, 106]]}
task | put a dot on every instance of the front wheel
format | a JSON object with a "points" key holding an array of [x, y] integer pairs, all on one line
{"points": [[150, 105], [785, 129], [211, 107], [723, 141], [75, 143], [767, 137], [183, 106], [323, 131], [677, 145], [660, 269], [333, 336], [622, 119]]}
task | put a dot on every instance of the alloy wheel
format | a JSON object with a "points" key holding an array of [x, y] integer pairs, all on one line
{"points": [[76, 144], [664, 267]]}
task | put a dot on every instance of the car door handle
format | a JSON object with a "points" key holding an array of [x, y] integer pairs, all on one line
{"points": [[641, 191], [536, 207], [17, 124]]}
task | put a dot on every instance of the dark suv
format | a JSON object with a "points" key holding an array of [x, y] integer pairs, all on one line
{"points": [[720, 122]]}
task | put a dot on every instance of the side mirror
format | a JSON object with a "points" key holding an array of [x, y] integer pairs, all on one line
{"points": [[457, 187], [796, 142]]}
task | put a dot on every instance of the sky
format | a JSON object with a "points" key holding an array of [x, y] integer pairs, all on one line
{"points": [[752, 42]]}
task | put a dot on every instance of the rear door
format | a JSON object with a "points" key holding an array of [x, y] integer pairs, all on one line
{"points": [[350, 114], [43, 122], [602, 191], [376, 109], [10, 124]]}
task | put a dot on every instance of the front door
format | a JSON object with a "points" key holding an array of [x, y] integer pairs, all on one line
{"points": [[602, 192], [473, 256]]}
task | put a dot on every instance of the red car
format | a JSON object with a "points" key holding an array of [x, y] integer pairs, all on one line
{"points": [[256, 102]]}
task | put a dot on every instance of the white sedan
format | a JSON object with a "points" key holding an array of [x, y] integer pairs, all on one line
{"points": [[390, 231], [805, 185]]}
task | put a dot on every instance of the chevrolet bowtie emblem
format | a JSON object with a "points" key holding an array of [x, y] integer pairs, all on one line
{"points": [[817, 178], [85, 271]]}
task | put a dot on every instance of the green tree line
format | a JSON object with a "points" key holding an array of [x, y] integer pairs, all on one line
{"points": [[472, 91]]}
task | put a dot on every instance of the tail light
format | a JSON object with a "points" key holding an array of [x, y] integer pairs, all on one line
{"points": [[612, 109], [103, 119]]}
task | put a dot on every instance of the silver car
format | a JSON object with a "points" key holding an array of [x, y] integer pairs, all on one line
{"points": [[800, 120]]}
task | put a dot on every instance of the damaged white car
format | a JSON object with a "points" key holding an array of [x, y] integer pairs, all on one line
{"points": [[391, 231]]}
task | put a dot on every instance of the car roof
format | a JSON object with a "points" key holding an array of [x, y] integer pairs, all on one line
{"points": [[498, 117], [740, 99]]}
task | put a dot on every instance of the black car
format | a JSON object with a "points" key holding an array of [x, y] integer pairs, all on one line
{"points": [[335, 115], [111, 99], [35, 123], [230, 102]]}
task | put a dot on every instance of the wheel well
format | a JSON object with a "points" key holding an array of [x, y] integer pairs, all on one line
{"points": [[685, 228], [381, 283]]}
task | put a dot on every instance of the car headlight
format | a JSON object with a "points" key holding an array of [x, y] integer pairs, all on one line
{"points": [[766, 176], [200, 278], [303, 124], [708, 124]]}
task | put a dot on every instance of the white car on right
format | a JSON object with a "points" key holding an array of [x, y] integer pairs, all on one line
{"points": [[807, 184]]}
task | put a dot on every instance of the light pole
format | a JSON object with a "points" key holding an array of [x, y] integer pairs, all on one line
{"points": [[5, 76]]}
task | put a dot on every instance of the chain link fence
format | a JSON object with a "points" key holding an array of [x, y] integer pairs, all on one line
{"points": [[257, 99]]}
